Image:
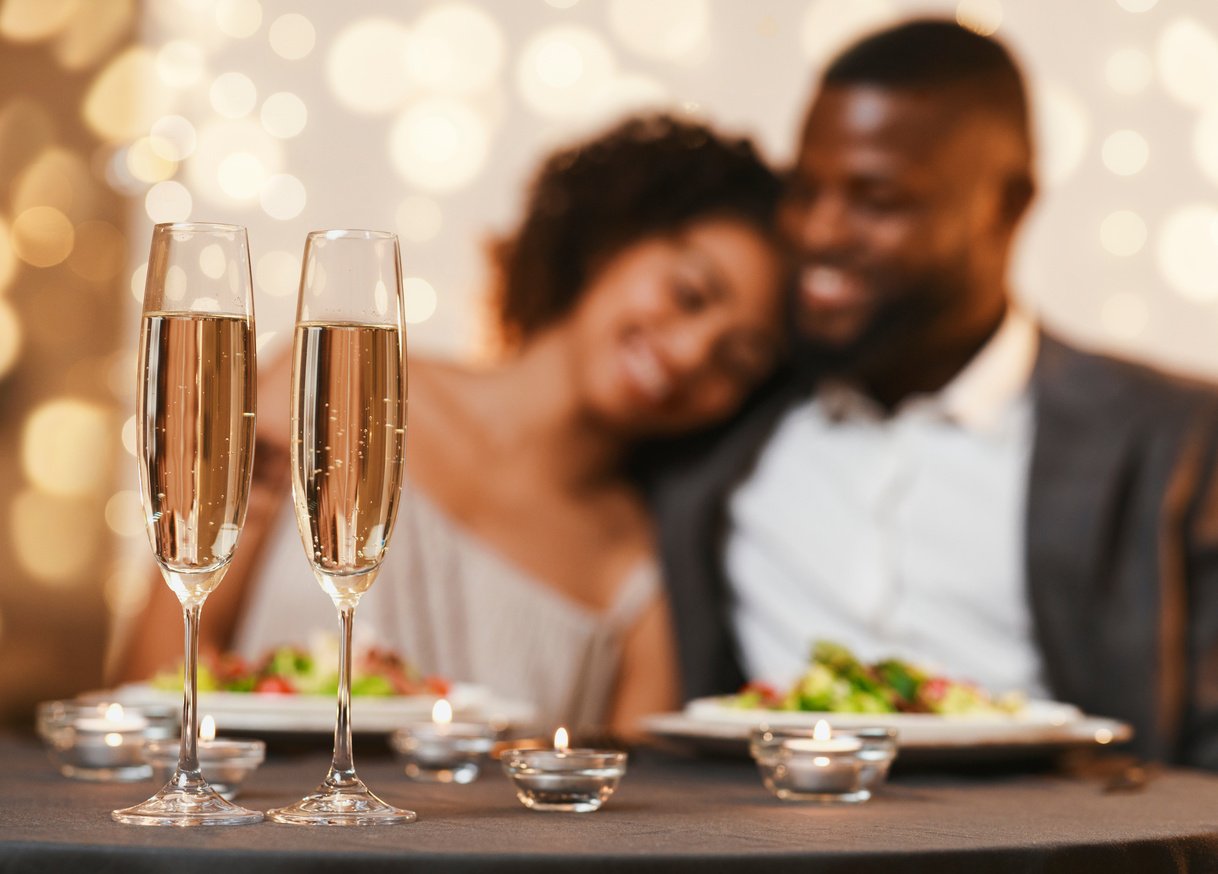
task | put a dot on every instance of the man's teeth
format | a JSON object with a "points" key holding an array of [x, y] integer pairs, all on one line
{"points": [[825, 282]]}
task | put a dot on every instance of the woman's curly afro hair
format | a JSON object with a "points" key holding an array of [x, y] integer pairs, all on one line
{"points": [[648, 176]]}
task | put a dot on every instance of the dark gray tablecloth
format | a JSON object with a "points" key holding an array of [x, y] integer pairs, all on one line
{"points": [[669, 814]]}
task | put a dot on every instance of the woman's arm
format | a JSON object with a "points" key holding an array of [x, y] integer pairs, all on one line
{"points": [[647, 679]]}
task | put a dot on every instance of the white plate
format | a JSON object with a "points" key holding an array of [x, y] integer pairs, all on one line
{"points": [[249, 711], [1039, 724]]}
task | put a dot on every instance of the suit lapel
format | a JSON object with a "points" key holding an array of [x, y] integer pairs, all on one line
{"points": [[1090, 547], [690, 506]]}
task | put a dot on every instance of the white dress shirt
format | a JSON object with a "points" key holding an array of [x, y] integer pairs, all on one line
{"points": [[897, 535]]}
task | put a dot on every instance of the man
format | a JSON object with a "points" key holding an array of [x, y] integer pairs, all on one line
{"points": [[939, 479]]}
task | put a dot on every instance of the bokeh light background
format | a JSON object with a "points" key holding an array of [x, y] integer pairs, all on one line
{"points": [[427, 117]]}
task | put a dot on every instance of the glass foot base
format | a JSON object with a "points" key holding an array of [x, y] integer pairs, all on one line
{"points": [[193, 804], [342, 805]]}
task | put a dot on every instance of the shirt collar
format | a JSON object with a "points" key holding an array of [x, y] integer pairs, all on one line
{"points": [[976, 398]]}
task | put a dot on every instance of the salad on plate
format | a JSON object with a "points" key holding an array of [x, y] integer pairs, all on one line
{"points": [[836, 681], [293, 688], [297, 670], [931, 713]]}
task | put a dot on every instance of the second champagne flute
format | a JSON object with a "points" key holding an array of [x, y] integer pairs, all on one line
{"points": [[348, 445]]}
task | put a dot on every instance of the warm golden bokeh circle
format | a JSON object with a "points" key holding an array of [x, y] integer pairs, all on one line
{"points": [[42, 236]]}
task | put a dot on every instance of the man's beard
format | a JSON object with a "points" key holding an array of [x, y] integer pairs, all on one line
{"points": [[894, 338]]}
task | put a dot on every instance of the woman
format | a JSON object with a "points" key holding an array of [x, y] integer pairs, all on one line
{"points": [[639, 299]]}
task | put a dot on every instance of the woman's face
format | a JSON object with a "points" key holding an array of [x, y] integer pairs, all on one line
{"points": [[674, 332]]}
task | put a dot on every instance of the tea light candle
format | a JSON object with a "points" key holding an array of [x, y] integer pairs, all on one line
{"points": [[564, 779], [823, 767], [443, 751], [114, 719], [823, 741], [109, 740], [224, 763], [822, 763], [97, 741]]}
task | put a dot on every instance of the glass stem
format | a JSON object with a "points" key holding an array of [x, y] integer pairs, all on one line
{"points": [[342, 767], [188, 755]]}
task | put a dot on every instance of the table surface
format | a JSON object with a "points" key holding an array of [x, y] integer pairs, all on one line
{"points": [[669, 814]]}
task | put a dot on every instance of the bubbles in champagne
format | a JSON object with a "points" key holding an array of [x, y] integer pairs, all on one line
{"points": [[348, 413], [195, 441]]}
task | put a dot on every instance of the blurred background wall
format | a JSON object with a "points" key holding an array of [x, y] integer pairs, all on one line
{"points": [[426, 116], [63, 306]]}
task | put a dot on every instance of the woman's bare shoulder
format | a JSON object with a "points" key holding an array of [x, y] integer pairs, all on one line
{"points": [[443, 425], [439, 389]]}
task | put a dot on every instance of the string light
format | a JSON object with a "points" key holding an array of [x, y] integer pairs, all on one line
{"points": [[284, 115], [278, 273], [10, 337], [1125, 152], [1064, 128], [42, 236], [1186, 55], [365, 67], [418, 300], [1123, 232], [456, 49], [238, 18], [675, 31], [292, 36], [283, 197], [1188, 252], [562, 68], [439, 144], [167, 201], [980, 16]]}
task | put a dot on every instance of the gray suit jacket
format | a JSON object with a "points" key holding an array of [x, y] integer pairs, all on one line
{"points": [[1121, 551]]}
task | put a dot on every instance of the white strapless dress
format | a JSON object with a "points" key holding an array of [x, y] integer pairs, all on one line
{"points": [[456, 608]]}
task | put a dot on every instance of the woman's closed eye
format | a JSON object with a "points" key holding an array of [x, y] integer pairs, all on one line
{"points": [[691, 296], [695, 281]]}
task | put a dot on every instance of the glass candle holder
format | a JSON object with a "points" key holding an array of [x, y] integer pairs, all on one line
{"points": [[568, 780], [879, 749], [225, 764], [443, 752], [102, 740], [819, 766]]}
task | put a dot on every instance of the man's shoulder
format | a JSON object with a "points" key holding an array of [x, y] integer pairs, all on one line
{"points": [[1072, 373]]}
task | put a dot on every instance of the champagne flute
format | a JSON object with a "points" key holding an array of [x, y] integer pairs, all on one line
{"points": [[348, 445], [195, 442]]}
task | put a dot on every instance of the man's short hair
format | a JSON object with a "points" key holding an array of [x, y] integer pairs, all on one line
{"points": [[932, 54]]}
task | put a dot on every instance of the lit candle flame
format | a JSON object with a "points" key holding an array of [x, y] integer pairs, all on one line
{"points": [[561, 741], [207, 728], [822, 731], [442, 712], [114, 713]]}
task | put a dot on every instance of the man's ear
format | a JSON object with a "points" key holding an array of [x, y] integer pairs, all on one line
{"points": [[1018, 190]]}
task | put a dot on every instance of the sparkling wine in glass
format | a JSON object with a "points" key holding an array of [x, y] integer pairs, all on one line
{"points": [[195, 443], [348, 445]]}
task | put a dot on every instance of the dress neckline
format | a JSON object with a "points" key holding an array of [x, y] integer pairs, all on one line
{"points": [[630, 598]]}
